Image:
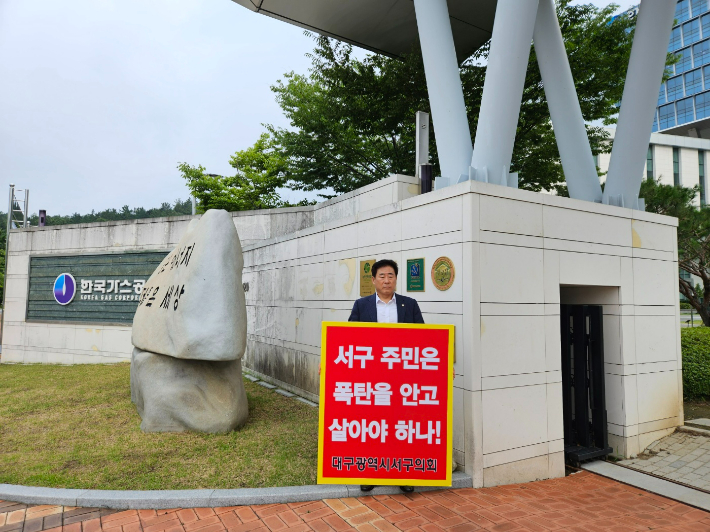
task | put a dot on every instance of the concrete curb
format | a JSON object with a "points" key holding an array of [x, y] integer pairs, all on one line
{"points": [[205, 498], [665, 488]]}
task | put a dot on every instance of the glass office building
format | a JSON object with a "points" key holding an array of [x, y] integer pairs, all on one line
{"points": [[684, 99]]}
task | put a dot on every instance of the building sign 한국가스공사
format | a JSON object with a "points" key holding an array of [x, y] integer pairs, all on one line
{"points": [[106, 287], [386, 404]]}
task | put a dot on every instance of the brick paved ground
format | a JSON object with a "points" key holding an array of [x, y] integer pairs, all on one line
{"points": [[681, 456], [581, 502]]}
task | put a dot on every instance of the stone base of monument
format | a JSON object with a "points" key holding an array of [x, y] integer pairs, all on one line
{"points": [[176, 395]]}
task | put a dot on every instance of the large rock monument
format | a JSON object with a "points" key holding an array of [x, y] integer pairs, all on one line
{"points": [[189, 334]]}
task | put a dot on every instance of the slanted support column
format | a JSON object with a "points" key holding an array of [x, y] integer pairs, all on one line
{"points": [[453, 137], [638, 103], [570, 133], [503, 90]]}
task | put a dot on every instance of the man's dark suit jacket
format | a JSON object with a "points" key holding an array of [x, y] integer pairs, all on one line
{"points": [[365, 309]]}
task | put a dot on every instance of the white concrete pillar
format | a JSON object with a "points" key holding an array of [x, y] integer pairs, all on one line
{"points": [[638, 103], [503, 89], [453, 136], [570, 133]]}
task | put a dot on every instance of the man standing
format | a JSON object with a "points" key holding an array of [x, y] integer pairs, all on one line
{"points": [[384, 306]]}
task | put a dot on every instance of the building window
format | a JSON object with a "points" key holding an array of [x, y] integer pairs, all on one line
{"points": [[701, 53], [667, 116], [702, 106], [675, 88], [699, 7], [685, 275], [685, 62], [649, 163], [682, 13], [691, 32], [693, 82], [676, 167], [662, 94], [685, 111], [701, 175], [654, 128], [676, 41]]}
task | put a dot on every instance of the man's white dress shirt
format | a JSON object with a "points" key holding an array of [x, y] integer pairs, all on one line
{"points": [[386, 312]]}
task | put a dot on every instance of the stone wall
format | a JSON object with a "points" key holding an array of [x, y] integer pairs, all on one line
{"points": [[72, 343], [517, 254]]}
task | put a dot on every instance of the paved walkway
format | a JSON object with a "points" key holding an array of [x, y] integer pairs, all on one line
{"points": [[682, 456], [580, 502]]}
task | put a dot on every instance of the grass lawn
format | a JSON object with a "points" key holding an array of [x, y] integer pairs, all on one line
{"points": [[75, 427]]}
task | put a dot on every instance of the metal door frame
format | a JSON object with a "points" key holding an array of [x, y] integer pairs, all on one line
{"points": [[584, 407]]}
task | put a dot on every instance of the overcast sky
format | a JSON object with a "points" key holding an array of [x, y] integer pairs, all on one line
{"points": [[100, 99]]}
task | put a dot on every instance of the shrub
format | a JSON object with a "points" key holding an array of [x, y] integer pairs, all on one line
{"points": [[684, 305], [695, 345]]}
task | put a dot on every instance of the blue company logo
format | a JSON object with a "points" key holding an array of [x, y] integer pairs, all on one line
{"points": [[64, 288]]}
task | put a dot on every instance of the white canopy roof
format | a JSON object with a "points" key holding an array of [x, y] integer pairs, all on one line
{"points": [[387, 27]]}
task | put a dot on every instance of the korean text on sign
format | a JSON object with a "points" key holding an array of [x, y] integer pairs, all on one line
{"points": [[386, 404]]}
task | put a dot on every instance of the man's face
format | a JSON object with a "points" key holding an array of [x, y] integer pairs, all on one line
{"points": [[385, 281]]}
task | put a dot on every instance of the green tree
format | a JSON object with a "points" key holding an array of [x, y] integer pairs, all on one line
{"points": [[261, 170], [693, 237], [177, 208], [352, 120]]}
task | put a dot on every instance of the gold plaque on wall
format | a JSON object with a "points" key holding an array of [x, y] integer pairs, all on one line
{"points": [[443, 273], [366, 286]]}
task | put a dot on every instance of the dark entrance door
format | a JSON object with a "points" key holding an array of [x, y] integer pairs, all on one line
{"points": [[584, 406]]}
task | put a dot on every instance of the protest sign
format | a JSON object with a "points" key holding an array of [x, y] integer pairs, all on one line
{"points": [[386, 404]]}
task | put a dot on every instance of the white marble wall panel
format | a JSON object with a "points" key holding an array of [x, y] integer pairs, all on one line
{"points": [[655, 282], [512, 345], [17, 287], [69, 238], [432, 219], [20, 241], [457, 321], [580, 226], [385, 229], [18, 265], [310, 281], [514, 417], [555, 421], [657, 396], [511, 274], [656, 339], [430, 254], [310, 245], [506, 216], [341, 239], [341, 280], [553, 346], [589, 269], [653, 236], [88, 339], [62, 337]]}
